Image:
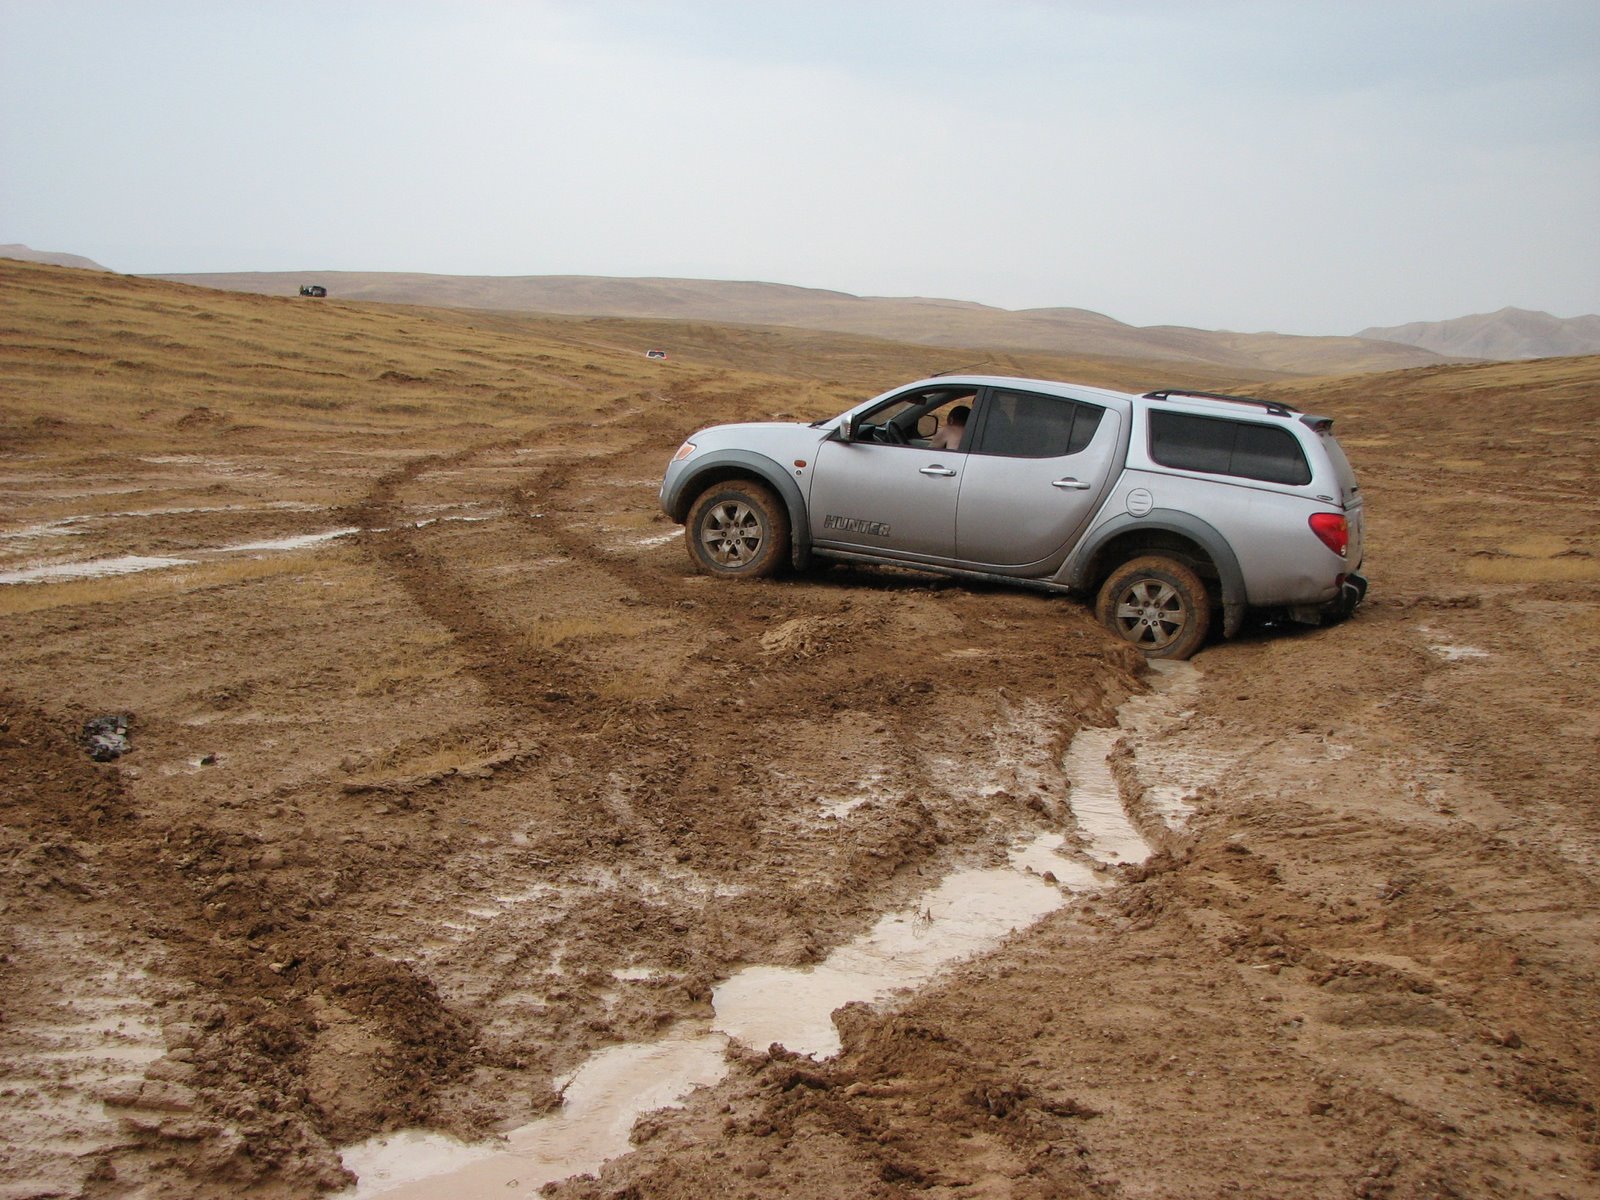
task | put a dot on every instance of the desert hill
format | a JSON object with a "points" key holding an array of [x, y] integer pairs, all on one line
{"points": [[175, 342], [52, 258], [1511, 333], [927, 321]]}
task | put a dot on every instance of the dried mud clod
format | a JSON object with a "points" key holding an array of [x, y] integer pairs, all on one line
{"points": [[106, 738]]}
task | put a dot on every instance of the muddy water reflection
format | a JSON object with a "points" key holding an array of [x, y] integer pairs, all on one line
{"points": [[601, 1101], [966, 914], [969, 912]]}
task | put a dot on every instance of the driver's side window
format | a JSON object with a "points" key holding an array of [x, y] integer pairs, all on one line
{"points": [[925, 420], [947, 427]]}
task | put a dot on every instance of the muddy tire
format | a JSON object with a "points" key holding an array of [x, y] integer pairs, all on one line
{"points": [[738, 529], [1158, 606]]}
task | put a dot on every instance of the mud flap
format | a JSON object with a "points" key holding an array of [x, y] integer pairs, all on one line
{"points": [[1232, 619], [1351, 593]]}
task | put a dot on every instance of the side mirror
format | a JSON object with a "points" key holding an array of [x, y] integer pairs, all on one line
{"points": [[927, 425], [847, 428]]}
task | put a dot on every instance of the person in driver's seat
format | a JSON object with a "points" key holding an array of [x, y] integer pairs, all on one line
{"points": [[949, 434]]}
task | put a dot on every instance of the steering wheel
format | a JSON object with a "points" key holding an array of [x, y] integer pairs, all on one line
{"points": [[891, 434]]}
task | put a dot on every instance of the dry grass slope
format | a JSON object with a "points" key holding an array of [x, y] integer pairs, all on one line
{"points": [[906, 319], [146, 359]]}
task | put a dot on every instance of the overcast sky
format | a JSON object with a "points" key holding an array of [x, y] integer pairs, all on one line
{"points": [[1307, 166]]}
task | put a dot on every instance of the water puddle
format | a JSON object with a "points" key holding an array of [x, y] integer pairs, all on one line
{"points": [[600, 1103], [966, 915], [300, 542], [99, 568], [1096, 803], [127, 564], [94, 1036], [424, 522], [1449, 651], [1047, 856], [841, 809], [76, 526], [63, 527], [1170, 802], [834, 807]]}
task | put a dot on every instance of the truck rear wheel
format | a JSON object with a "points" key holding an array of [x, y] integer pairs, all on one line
{"points": [[1157, 605], [738, 528]]}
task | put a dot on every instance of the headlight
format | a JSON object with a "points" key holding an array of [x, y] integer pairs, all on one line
{"points": [[683, 452]]}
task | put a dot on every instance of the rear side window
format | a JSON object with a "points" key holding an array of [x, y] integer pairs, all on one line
{"points": [[1024, 425], [1222, 447]]}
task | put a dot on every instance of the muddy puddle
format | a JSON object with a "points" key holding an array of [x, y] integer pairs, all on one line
{"points": [[967, 914], [98, 568], [1450, 651], [127, 564], [44, 568]]}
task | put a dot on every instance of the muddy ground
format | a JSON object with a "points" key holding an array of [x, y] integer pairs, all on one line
{"points": [[419, 816]]}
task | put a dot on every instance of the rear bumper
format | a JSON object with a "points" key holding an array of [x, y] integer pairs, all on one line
{"points": [[1352, 591]]}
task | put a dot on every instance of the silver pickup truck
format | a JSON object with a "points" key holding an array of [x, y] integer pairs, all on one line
{"points": [[1165, 507]]}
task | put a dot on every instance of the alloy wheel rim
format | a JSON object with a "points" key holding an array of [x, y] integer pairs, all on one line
{"points": [[732, 534], [1151, 614]]}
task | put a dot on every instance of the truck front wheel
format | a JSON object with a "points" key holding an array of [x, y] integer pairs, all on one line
{"points": [[738, 528], [1159, 606]]}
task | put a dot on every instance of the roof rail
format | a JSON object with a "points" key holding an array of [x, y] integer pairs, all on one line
{"points": [[1276, 407]]}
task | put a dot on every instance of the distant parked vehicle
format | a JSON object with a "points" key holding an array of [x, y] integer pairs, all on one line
{"points": [[313, 289], [1165, 507], [655, 353]]}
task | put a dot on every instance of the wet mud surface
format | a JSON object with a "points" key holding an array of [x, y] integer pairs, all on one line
{"points": [[419, 818]]}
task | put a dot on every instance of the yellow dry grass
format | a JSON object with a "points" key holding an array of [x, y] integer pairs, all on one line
{"points": [[1539, 545], [633, 687], [123, 589], [553, 632], [418, 657], [1534, 570], [127, 366], [166, 363], [435, 763]]}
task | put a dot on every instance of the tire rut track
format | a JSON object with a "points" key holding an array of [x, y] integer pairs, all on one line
{"points": [[258, 970], [644, 771]]}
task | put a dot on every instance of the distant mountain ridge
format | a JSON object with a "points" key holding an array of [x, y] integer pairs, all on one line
{"points": [[915, 319], [1506, 335], [49, 257], [1510, 334]]}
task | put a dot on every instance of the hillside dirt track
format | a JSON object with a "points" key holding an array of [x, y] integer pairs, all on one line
{"points": [[420, 816]]}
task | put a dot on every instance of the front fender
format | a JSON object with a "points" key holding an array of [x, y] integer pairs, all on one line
{"points": [[717, 466]]}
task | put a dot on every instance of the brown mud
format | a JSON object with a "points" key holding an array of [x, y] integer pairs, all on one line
{"points": [[418, 818]]}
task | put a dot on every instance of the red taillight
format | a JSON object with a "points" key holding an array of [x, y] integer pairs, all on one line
{"points": [[1332, 530]]}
